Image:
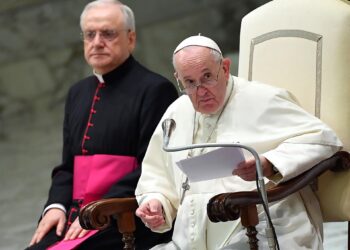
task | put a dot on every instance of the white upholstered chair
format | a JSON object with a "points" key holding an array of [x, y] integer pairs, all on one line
{"points": [[304, 46]]}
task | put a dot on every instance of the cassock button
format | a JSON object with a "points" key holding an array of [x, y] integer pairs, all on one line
{"points": [[85, 151], [93, 111], [86, 137], [97, 98], [90, 124]]}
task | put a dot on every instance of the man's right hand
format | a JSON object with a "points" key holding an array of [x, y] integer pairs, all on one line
{"points": [[54, 217], [151, 213]]}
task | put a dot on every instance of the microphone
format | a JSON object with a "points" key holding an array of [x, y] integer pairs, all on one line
{"points": [[168, 126]]}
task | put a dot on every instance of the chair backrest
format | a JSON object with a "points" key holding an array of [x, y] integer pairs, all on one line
{"points": [[304, 46]]}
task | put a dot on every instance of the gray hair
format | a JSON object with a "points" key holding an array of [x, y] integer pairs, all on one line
{"points": [[128, 14], [217, 56]]}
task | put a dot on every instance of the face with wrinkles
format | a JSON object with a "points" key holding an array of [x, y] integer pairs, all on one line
{"points": [[195, 63], [107, 43]]}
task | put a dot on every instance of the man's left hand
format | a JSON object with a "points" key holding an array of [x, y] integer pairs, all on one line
{"points": [[75, 231], [247, 169]]}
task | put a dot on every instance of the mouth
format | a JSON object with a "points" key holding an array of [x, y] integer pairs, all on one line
{"points": [[205, 100], [98, 54]]}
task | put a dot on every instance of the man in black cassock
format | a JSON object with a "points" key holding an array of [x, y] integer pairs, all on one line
{"points": [[109, 119]]}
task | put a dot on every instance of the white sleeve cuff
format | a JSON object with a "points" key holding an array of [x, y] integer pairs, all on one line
{"points": [[54, 205]]}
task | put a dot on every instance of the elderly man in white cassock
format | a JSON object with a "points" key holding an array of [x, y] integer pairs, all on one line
{"points": [[220, 108]]}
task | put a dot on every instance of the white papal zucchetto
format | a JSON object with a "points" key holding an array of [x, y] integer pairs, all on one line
{"points": [[198, 41]]}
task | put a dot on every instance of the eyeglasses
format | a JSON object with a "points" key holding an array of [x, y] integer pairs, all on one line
{"points": [[208, 80], [105, 35]]}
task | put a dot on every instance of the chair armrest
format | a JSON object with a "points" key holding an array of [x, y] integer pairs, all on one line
{"points": [[227, 206], [96, 214]]}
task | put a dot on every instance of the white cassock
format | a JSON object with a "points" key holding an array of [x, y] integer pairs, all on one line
{"points": [[256, 115]]}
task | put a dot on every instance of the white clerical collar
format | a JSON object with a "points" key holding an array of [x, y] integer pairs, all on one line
{"points": [[99, 76]]}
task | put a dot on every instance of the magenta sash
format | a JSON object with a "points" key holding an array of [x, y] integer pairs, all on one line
{"points": [[93, 176]]}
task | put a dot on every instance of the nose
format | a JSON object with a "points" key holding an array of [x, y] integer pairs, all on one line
{"points": [[98, 39], [201, 91]]}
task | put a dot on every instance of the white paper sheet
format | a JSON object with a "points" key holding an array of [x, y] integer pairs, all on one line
{"points": [[214, 164]]}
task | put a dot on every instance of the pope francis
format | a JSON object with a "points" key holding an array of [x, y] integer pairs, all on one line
{"points": [[220, 108]]}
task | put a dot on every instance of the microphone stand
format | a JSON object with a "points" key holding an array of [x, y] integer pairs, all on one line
{"points": [[260, 176]]}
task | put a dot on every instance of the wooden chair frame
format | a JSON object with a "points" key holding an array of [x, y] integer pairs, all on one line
{"points": [[97, 215], [231, 206]]}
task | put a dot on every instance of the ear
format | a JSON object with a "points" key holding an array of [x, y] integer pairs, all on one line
{"points": [[226, 63], [131, 41]]}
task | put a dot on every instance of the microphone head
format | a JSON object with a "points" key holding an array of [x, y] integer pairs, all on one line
{"points": [[168, 125]]}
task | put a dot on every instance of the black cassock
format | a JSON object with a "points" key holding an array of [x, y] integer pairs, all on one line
{"points": [[117, 117]]}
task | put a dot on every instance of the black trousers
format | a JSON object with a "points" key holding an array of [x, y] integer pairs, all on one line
{"points": [[110, 239]]}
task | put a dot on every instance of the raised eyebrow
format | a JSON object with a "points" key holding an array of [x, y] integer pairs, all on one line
{"points": [[187, 78], [206, 70]]}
